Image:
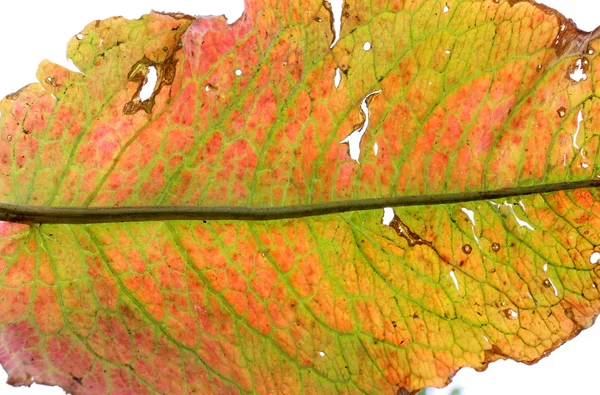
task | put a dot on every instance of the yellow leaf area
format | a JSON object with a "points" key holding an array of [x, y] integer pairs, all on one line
{"points": [[458, 96]]}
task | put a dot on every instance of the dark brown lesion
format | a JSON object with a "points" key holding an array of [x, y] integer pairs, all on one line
{"points": [[569, 40], [78, 380], [52, 82], [404, 231], [493, 354], [329, 9], [176, 15], [15, 95], [165, 75], [467, 249], [404, 391]]}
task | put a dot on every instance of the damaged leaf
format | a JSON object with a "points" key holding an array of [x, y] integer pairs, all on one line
{"points": [[225, 233]]}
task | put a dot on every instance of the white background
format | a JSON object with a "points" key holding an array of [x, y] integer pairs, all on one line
{"points": [[33, 30]]}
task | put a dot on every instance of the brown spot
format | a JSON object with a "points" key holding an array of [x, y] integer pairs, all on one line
{"points": [[79, 380], [404, 231], [467, 249], [493, 354], [18, 379], [404, 391], [546, 283], [211, 87], [562, 112], [510, 314], [571, 315], [495, 247], [52, 81], [176, 15], [15, 95]]}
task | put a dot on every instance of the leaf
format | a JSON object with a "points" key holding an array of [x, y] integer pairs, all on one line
{"points": [[262, 264]]}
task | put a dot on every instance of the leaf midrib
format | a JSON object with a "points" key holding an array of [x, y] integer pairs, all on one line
{"points": [[84, 215]]}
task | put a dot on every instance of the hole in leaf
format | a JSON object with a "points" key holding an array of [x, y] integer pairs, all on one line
{"points": [[471, 215], [579, 120], [143, 73], [353, 140], [548, 283], [510, 314], [51, 81], [520, 222], [388, 216], [335, 7], [337, 78], [149, 85], [453, 276], [577, 72], [393, 221]]}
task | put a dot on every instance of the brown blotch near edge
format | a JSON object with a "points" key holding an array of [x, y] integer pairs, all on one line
{"points": [[15, 95], [176, 15], [404, 391], [493, 354], [569, 41], [404, 231]]}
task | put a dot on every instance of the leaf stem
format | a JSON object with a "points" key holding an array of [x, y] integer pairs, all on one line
{"points": [[28, 214]]}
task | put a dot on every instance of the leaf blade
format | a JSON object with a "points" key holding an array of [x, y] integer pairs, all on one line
{"points": [[150, 274]]}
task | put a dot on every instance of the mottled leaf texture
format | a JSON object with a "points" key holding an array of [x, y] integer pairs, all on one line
{"points": [[441, 97]]}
